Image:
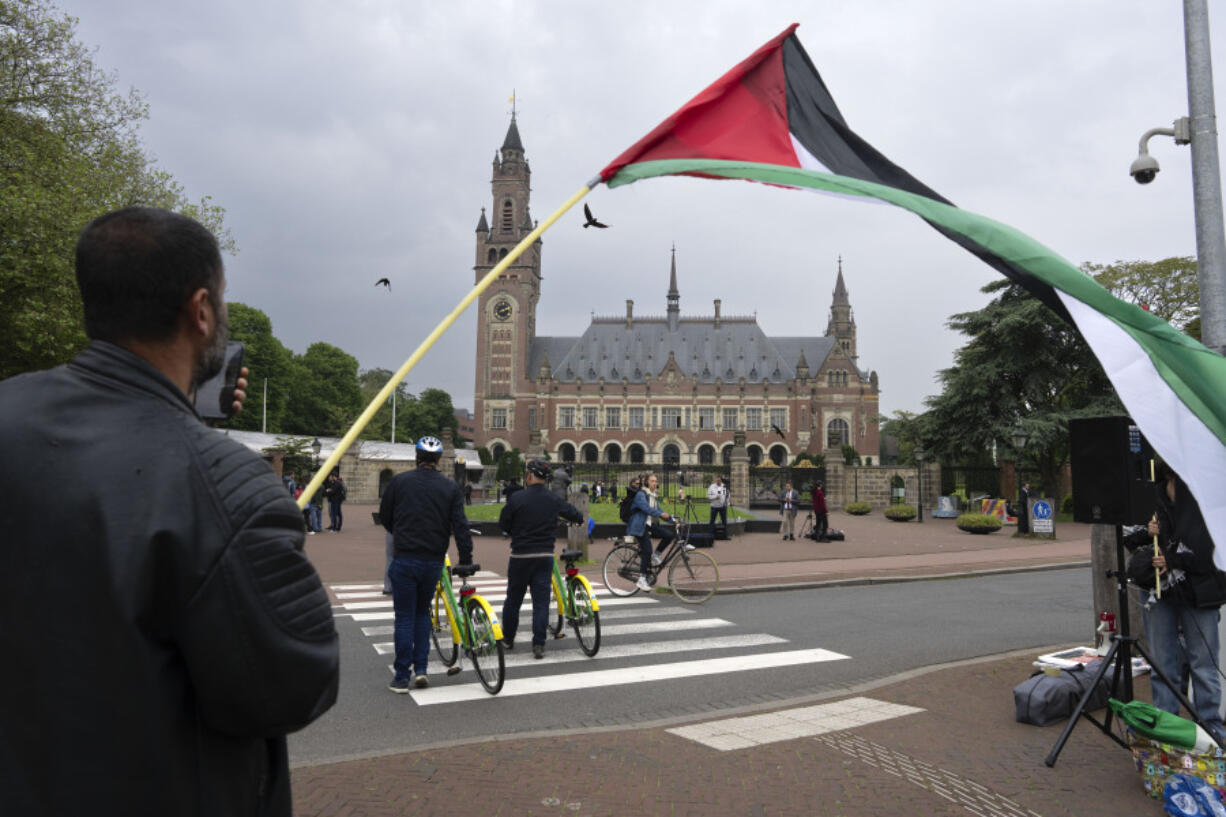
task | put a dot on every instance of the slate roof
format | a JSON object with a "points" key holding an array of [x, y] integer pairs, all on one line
{"points": [[738, 348]]}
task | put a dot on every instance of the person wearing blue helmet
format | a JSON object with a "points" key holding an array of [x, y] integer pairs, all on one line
{"points": [[422, 509]]}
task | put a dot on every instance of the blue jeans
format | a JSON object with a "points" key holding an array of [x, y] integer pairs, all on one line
{"points": [[722, 513], [413, 583], [313, 520], [525, 574], [334, 515], [1199, 651]]}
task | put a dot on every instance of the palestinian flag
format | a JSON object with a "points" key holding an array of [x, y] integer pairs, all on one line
{"points": [[772, 120]]}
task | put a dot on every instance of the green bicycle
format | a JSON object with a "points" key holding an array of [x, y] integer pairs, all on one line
{"points": [[469, 623], [575, 603]]}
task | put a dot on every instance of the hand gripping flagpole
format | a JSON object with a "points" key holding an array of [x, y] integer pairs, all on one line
{"points": [[443, 326]]}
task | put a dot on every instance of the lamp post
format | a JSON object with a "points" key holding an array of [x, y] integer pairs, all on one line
{"points": [[316, 447], [919, 470], [1019, 437]]}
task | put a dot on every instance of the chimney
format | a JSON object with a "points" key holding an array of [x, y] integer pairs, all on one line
{"points": [[629, 314], [717, 302]]}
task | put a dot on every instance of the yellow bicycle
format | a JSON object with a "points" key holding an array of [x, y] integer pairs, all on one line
{"points": [[575, 602], [470, 623]]}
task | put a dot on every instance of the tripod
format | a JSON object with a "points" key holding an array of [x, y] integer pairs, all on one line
{"points": [[1123, 644]]}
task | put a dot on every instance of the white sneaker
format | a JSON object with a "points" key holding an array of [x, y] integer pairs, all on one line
{"points": [[655, 558], [642, 584], [688, 546]]}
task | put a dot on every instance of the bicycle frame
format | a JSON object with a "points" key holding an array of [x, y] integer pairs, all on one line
{"points": [[460, 633], [561, 593]]}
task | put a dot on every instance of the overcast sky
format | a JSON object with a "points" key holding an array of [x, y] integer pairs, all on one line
{"points": [[352, 141]]}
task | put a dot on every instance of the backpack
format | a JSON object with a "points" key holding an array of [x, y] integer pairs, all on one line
{"points": [[626, 508]]}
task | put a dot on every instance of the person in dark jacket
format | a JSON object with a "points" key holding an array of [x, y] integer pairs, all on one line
{"points": [[335, 491], [530, 518], [181, 632], [821, 520], [1192, 593], [422, 509]]}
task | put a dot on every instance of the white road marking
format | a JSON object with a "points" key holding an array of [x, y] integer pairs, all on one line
{"points": [[339, 587], [389, 615], [570, 654], [626, 675], [616, 629], [789, 724]]}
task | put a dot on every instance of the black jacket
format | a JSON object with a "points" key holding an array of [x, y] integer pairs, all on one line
{"points": [[163, 630], [531, 518], [423, 509]]}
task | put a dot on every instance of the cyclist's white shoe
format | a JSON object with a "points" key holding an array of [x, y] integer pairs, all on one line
{"points": [[642, 584], [655, 558], [688, 546]]}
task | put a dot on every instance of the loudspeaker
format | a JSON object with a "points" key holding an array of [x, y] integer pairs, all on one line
{"points": [[1111, 477]]}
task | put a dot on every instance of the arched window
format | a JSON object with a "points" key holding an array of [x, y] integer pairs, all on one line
{"points": [[726, 454], [672, 455], [612, 453], [497, 451], [636, 454], [502, 253], [493, 256], [837, 434], [778, 454], [591, 453], [755, 455], [385, 476], [706, 455], [508, 216], [566, 452]]}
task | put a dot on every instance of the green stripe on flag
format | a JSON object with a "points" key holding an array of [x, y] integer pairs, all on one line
{"points": [[1196, 374]]}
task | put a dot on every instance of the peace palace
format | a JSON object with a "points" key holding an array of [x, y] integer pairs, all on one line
{"points": [[668, 389]]}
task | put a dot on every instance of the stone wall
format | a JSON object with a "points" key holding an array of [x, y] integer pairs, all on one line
{"points": [[871, 484], [362, 476]]}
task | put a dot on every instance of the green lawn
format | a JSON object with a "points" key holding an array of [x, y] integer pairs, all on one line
{"points": [[603, 512]]}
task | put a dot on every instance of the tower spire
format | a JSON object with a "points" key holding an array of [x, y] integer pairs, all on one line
{"points": [[674, 296]]}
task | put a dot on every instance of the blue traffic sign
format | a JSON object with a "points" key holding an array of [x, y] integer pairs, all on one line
{"points": [[1042, 510]]}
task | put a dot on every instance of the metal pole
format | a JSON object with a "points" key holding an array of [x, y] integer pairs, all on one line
{"points": [[264, 420], [1206, 177], [393, 416]]}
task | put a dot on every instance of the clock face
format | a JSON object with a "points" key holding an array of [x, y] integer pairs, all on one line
{"points": [[502, 310]]}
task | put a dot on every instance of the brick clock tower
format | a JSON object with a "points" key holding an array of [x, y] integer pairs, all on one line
{"points": [[506, 312]]}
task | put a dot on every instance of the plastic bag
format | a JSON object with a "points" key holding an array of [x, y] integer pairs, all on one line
{"points": [[1186, 796]]}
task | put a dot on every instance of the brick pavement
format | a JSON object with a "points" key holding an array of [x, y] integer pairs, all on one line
{"points": [[963, 754]]}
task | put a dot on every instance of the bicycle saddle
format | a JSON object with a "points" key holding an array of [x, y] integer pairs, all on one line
{"points": [[464, 571], [570, 555]]}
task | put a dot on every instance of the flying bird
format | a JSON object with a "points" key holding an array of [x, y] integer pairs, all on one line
{"points": [[384, 282], [778, 431], [591, 220]]}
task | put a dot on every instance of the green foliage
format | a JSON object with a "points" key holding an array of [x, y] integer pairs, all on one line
{"points": [[266, 358], [978, 522], [486, 457], [1020, 362], [1066, 505], [297, 455], [324, 397], [858, 508], [850, 455], [69, 152], [1167, 288], [510, 467], [868, 460], [430, 413], [900, 512]]}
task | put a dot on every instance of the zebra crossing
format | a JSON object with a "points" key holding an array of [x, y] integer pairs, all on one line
{"points": [[632, 628]]}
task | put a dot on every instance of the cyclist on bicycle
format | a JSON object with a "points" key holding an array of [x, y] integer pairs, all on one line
{"points": [[646, 507], [530, 517]]}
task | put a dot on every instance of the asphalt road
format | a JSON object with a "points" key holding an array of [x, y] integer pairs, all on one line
{"points": [[735, 651]]}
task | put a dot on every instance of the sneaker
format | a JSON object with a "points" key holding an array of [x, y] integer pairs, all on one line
{"points": [[420, 681], [538, 650], [688, 546], [508, 645], [642, 584], [399, 685], [655, 558], [310, 533]]}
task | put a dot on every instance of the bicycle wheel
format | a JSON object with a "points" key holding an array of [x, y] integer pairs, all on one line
{"points": [[485, 651], [556, 621], [694, 576], [621, 570], [586, 621], [440, 633]]}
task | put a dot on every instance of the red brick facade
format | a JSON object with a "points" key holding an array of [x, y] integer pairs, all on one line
{"points": [[652, 389]]}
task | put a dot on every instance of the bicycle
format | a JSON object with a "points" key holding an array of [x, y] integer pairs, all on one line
{"points": [[576, 604], [469, 623], [693, 576]]}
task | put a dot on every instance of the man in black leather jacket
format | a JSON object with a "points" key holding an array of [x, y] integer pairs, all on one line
{"points": [[163, 630]]}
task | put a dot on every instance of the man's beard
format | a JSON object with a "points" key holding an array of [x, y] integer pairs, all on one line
{"points": [[211, 358]]}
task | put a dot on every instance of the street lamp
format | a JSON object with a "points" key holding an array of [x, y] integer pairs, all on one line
{"points": [[1019, 437], [919, 467], [316, 447]]}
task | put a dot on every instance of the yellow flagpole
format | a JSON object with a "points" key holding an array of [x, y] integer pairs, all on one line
{"points": [[443, 326]]}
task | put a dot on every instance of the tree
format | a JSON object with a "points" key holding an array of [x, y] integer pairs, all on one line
{"points": [[429, 414], [371, 382], [1167, 288], [69, 152], [1021, 362], [266, 358], [510, 467], [324, 397]]}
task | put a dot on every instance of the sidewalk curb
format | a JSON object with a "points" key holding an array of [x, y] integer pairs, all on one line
{"points": [[662, 723], [860, 581]]}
